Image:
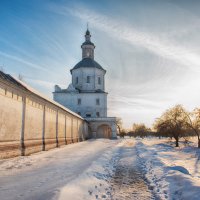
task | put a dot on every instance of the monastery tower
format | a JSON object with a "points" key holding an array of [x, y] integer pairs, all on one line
{"points": [[86, 94]]}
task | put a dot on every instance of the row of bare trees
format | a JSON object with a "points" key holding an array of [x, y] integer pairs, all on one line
{"points": [[177, 122], [140, 130]]}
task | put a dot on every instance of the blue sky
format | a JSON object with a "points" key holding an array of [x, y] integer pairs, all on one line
{"points": [[150, 49]]}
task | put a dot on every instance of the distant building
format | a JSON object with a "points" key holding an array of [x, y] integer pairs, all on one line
{"points": [[86, 94]]}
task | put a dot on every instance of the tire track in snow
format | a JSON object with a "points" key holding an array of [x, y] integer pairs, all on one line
{"points": [[128, 181]]}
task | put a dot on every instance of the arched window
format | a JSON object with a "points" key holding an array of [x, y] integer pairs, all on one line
{"points": [[97, 101], [99, 80], [79, 101], [88, 79]]}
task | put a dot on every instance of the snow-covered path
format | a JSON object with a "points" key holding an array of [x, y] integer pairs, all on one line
{"points": [[128, 181], [94, 169], [118, 174], [40, 176]]}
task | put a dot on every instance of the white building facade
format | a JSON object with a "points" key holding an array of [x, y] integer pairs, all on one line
{"points": [[86, 93]]}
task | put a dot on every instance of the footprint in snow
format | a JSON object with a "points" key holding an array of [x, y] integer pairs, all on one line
{"points": [[90, 192]]}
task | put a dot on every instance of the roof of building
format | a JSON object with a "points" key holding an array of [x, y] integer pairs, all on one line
{"points": [[10, 79], [89, 63], [87, 43]]}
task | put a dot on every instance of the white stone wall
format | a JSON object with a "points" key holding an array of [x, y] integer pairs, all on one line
{"points": [[88, 94], [10, 114], [88, 103], [94, 74], [30, 123]]}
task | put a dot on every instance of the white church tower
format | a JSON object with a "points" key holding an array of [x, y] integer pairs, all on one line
{"points": [[86, 94]]}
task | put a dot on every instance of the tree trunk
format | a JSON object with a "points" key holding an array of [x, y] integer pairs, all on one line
{"points": [[198, 136], [177, 144]]}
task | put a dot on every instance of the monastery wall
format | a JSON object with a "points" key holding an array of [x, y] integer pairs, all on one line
{"points": [[31, 123]]}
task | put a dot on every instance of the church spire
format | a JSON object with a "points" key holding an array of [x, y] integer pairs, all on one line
{"points": [[87, 46], [87, 34]]}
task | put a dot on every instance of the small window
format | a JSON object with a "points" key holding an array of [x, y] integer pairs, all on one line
{"points": [[98, 115], [97, 102], [99, 80], [88, 115], [88, 79], [76, 80], [79, 102]]}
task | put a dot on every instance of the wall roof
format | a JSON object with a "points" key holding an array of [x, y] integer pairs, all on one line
{"points": [[22, 85]]}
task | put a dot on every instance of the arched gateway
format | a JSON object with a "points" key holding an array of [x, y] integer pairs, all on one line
{"points": [[103, 127], [86, 93], [104, 131]]}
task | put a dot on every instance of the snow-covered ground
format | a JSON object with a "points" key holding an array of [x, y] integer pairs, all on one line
{"points": [[41, 175], [173, 173], [116, 175], [105, 169]]}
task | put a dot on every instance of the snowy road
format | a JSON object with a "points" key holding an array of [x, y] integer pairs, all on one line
{"points": [[40, 176], [95, 169], [128, 181]]}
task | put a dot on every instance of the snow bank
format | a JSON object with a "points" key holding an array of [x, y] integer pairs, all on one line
{"points": [[173, 173], [94, 182]]}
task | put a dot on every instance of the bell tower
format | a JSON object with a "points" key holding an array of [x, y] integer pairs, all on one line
{"points": [[87, 47]]}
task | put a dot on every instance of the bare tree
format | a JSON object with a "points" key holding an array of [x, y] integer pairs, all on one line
{"points": [[20, 77], [172, 122], [140, 130], [119, 124], [123, 133], [193, 122]]}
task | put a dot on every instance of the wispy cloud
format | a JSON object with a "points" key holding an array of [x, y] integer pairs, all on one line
{"points": [[18, 59], [43, 83], [132, 107], [44, 86], [123, 31], [140, 86]]}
